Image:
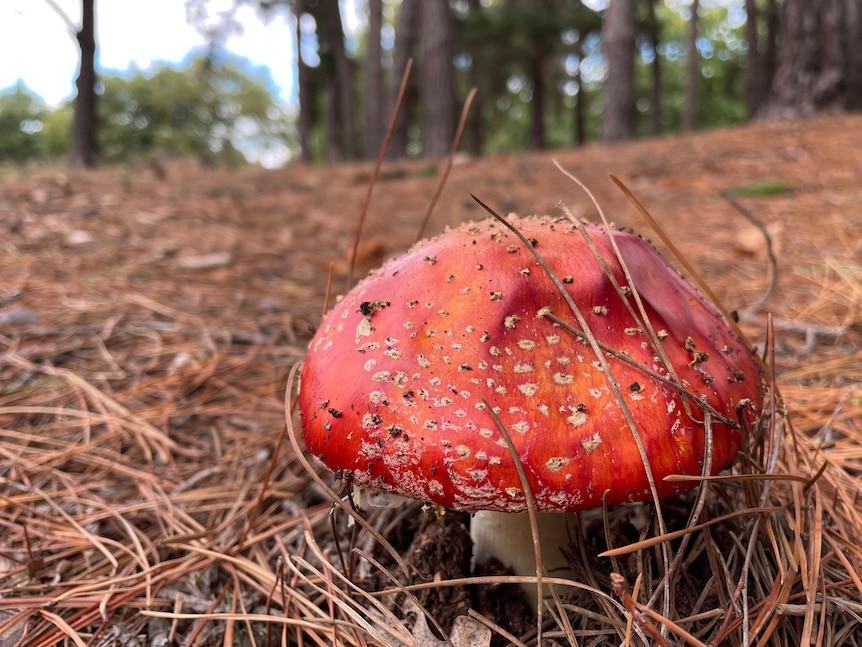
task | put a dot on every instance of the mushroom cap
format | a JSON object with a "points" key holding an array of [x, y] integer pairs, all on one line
{"points": [[398, 379]]}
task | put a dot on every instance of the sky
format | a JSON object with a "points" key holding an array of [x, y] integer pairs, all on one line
{"points": [[37, 47]]}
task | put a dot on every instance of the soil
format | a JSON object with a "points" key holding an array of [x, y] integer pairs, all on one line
{"points": [[245, 256]]}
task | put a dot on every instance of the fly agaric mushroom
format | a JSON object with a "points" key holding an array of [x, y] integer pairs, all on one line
{"points": [[399, 378]]}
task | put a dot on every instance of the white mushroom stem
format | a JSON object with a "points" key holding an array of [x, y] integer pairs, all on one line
{"points": [[508, 537]]}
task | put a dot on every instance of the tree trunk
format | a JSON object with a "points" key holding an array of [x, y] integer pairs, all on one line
{"points": [[473, 132], [756, 88], [374, 82], [438, 78], [340, 109], [405, 39], [618, 34], [84, 148], [819, 66], [692, 72], [656, 113], [581, 100], [772, 27], [305, 81], [537, 119], [761, 53]]}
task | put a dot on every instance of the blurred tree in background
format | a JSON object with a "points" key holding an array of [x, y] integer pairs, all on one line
{"points": [[437, 77], [85, 150], [84, 147], [761, 38], [406, 36], [547, 74], [619, 33], [217, 110], [373, 89], [22, 115], [526, 65], [819, 66], [55, 137], [210, 108]]}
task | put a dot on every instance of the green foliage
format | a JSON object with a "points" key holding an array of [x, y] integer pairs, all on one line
{"points": [[721, 50], [761, 189], [504, 43], [217, 110], [723, 63], [22, 115], [56, 136], [220, 108], [210, 109], [503, 36]]}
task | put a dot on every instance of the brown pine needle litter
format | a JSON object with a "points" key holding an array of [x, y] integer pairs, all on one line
{"points": [[151, 495]]}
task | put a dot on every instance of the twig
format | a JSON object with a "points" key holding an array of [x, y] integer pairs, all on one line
{"points": [[770, 253]]}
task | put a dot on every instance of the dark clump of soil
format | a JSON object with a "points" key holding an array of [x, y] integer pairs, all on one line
{"points": [[504, 604], [439, 549]]}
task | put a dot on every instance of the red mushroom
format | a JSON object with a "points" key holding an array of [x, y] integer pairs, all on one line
{"points": [[397, 382]]}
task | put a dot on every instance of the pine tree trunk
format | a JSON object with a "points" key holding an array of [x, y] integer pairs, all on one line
{"points": [[761, 53], [819, 65], [341, 127], [406, 32], [656, 112], [438, 78], [305, 81], [474, 133], [537, 120], [84, 148], [618, 34], [579, 135], [692, 72], [756, 88], [374, 118], [772, 27]]}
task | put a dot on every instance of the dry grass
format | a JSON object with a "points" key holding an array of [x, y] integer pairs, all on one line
{"points": [[151, 495]]}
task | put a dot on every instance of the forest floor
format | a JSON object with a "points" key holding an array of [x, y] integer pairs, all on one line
{"points": [[150, 315]]}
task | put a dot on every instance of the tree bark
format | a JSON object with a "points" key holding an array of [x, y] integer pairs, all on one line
{"points": [[772, 27], [819, 60], [406, 33], [761, 53], [84, 147], [474, 134], [537, 119], [692, 72], [305, 81], [756, 88], [580, 133], [374, 121], [340, 130], [438, 78], [579, 130], [618, 34], [656, 113]]}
